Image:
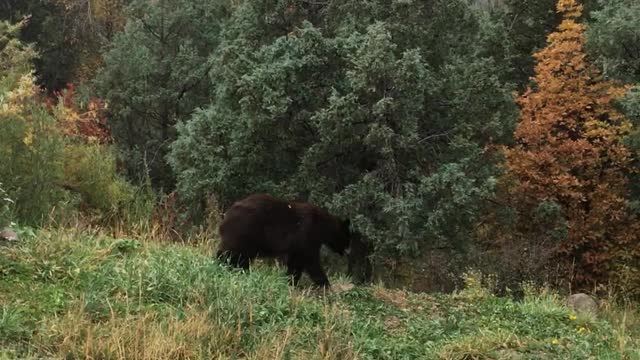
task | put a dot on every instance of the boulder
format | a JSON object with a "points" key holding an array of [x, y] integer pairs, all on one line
{"points": [[338, 288], [582, 304], [8, 235]]}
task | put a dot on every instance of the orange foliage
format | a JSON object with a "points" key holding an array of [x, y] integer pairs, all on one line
{"points": [[569, 153], [88, 125]]}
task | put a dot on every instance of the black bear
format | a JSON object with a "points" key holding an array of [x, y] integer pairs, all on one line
{"points": [[267, 227]]}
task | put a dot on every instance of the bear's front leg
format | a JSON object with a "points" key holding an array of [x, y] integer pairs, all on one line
{"points": [[315, 271]]}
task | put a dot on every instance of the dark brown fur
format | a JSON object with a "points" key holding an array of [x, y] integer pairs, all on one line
{"points": [[264, 226]]}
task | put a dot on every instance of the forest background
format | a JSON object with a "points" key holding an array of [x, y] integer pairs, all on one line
{"points": [[497, 135]]}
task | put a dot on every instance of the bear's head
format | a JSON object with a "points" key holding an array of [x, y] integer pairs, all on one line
{"points": [[342, 237]]}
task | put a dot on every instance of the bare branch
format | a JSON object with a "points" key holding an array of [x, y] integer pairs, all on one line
{"points": [[433, 136]]}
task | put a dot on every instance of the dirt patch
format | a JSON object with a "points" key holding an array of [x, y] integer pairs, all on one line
{"points": [[393, 325], [396, 298], [339, 288], [408, 302]]}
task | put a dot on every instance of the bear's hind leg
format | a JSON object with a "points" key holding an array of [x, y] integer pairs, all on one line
{"points": [[236, 260], [222, 256], [240, 261], [294, 270]]}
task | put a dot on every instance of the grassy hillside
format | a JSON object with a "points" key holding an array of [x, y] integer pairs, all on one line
{"points": [[77, 294]]}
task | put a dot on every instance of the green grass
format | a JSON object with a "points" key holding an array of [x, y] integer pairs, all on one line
{"points": [[68, 294]]}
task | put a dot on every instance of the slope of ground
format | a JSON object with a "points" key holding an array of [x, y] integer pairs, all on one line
{"points": [[74, 294]]}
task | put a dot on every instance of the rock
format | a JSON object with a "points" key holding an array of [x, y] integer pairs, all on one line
{"points": [[8, 235], [338, 288], [582, 304]]}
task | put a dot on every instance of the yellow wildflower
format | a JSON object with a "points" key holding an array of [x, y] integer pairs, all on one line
{"points": [[554, 341], [28, 138], [572, 317]]}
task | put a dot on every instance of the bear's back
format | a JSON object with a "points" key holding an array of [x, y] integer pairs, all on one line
{"points": [[265, 224], [269, 209]]}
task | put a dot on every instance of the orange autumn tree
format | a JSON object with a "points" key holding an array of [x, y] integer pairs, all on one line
{"points": [[566, 173]]}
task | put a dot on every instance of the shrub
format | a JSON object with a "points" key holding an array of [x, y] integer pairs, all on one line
{"points": [[51, 153], [91, 171], [31, 152]]}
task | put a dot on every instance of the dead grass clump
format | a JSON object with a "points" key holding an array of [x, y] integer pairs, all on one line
{"points": [[140, 336]]}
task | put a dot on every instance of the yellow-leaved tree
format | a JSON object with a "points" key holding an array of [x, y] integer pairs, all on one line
{"points": [[51, 156], [565, 178]]}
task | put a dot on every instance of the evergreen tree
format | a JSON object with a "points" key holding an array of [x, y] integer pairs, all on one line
{"points": [[68, 35], [155, 74], [613, 42], [613, 38], [518, 29], [364, 108]]}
